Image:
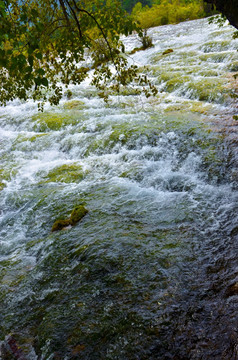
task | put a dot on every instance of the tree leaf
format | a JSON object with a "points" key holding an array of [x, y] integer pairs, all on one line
{"points": [[44, 82]]}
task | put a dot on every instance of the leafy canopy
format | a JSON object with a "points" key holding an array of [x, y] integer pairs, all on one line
{"points": [[46, 43]]}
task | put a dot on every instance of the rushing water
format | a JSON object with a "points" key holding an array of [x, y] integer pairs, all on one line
{"points": [[151, 271]]}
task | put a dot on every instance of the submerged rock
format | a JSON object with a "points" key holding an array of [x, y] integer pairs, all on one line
{"points": [[67, 173], [60, 224], [74, 104], [76, 215], [11, 348], [168, 51], [232, 290]]}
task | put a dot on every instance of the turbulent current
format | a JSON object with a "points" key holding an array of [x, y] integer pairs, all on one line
{"points": [[150, 272]]}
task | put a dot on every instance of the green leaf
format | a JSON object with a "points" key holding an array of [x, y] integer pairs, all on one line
{"points": [[30, 60], [44, 82], [34, 13], [37, 81], [39, 56], [41, 71]]}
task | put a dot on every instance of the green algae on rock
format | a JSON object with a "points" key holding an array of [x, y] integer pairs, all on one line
{"points": [[76, 215], [67, 173], [168, 51], [74, 105], [52, 121], [60, 224], [5, 175]]}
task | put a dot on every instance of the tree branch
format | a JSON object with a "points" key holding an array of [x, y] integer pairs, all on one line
{"points": [[65, 13], [75, 18], [99, 27]]}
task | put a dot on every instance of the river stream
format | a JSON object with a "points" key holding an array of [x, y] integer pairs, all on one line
{"points": [[150, 273]]}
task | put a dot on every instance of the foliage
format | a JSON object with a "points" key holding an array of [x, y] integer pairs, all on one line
{"points": [[129, 4], [76, 215], [218, 19], [235, 35], [165, 12], [44, 44], [146, 42]]}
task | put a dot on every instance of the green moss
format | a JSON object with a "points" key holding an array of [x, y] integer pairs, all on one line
{"points": [[77, 214], [75, 105], [175, 83], [134, 173], [67, 173], [52, 121], [185, 57], [235, 117], [5, 175], [33, 243], [23, 137], [213, 57], [209, 89], [125, 134], [60, 224], [190, 106], [233, 67], [208, 73], [200, 107], [213, 46], [168, 51], [127, 90], [22, 141]]}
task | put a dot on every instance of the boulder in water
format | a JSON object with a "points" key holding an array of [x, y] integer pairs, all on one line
{"points": [[76, 215], [17, 347], [232, 290], [60, 224], [168, 51]]}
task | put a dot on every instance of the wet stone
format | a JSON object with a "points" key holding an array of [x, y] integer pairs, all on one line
{"points": [[232, 290], [15, 347], [168, 51], [77, 214]]}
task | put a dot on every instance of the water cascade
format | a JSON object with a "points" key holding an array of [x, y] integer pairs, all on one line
{"points": [[150, 271]]}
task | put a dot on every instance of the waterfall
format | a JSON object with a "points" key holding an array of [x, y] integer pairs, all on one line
{"points": [[150, 272]]}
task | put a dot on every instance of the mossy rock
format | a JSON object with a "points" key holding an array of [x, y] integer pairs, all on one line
{"points": [[170, 75], [23, 141], [5, 175], [213, 57], [74, 105], [60, 224], [76, 215], [235, 117], [168, 51], [233, 67], [209, 89], [215, 46], [52, 121], [208, 73], [23, 137], [141, 48], [175, 83], [67, 173]]}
